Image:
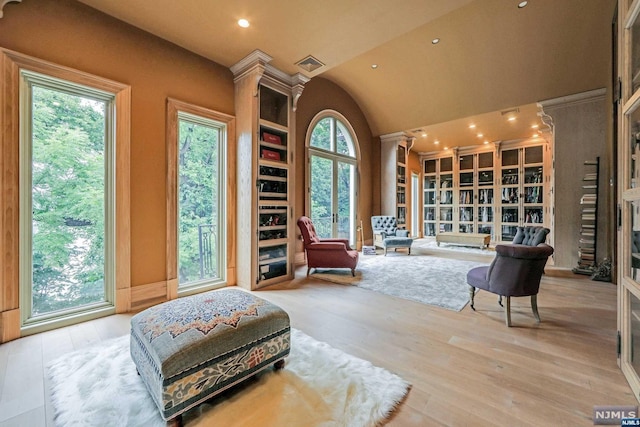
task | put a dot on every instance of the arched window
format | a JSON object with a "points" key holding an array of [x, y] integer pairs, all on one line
{"points": [[332, 175]]}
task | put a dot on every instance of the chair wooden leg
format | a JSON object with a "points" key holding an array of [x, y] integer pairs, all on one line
{"points": [[472, 293], [353, 272], [508, 316], [534, 307], [308, 270], [500, 300], [175, 422], [385, 251]]}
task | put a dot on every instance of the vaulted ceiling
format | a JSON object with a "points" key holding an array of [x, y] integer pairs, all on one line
{"points": [[492, 56]]}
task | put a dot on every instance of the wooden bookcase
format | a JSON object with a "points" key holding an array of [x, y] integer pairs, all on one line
{"points": [[488, 191], [394, 176], [437, 185], [476, 193], [265, 117], [523, 195]]}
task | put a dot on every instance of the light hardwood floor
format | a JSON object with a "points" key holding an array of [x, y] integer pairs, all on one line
{"points": [[466, 368]]}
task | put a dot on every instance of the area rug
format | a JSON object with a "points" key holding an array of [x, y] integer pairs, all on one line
{"points": [[319, 386], [427, 279]]}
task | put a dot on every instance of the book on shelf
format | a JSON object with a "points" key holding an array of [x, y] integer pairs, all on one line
{"points": [[588, 199], [269, 137], [270, 154]]}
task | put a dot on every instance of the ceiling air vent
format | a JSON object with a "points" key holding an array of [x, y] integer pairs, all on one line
{"points": [[511, 111], [309, 64]]}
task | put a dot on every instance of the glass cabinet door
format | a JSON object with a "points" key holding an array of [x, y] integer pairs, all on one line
{"points": [[628, 263], [429, 197], [485, 194], [521, 189], [509, 194], [533, 186], [466, 196]]}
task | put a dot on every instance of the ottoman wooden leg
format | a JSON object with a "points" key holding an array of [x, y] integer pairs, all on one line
{"points": [[279, 365], [175, 422]]}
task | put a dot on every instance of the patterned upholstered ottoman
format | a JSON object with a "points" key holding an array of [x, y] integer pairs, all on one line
{"points": [[190, 349]]}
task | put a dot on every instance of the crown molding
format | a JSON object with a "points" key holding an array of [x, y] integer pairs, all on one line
{"points": [[577, 98], [396, 137], [3, 3]]}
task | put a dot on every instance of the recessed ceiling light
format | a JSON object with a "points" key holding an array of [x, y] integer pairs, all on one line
{"points": [[243, 23], [535, 135], [435, 41], [436, 142], [512, 119], [486, 142], [522, 4], [446, 148], [480, 135], [472, 126], [374, 66], [534, 126], [424, 135]]}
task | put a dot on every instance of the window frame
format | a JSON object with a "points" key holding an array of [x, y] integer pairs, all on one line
{"points": [[335, 157], [29, 79], [11, 64], [175, 110]]}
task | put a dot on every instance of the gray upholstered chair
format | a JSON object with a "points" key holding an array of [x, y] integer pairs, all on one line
{"points": [[386, 234], [530, 235], [515, 272]]}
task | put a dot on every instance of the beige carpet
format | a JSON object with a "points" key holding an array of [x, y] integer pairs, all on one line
{"points": [[423, 278]]}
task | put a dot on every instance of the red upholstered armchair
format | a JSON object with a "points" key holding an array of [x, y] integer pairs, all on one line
{"points": [[326, 253]]}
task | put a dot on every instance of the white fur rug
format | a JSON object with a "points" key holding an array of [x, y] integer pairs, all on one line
{"points": [[319, 386]]}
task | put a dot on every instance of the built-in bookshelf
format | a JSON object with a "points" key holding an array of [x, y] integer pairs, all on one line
{"points": [[476, 193], [588, 219], [394, 176], [438, 195], [522, 188], [265, 170], [401, 185], [486, 191]]}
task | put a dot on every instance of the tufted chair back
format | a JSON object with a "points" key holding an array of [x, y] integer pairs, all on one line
{"points": [[384, 223], [326, 252], [530, 236], [308, 231]]}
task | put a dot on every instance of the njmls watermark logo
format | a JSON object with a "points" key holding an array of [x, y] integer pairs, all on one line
{"points": [[614, 415]]}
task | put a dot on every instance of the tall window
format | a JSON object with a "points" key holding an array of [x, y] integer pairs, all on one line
{"points": [[332, 176], [67, 198], [197, 228], [200, 205]]}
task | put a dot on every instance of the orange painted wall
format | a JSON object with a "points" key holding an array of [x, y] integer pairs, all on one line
{"points": [[69, 33], [322, 94]]}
